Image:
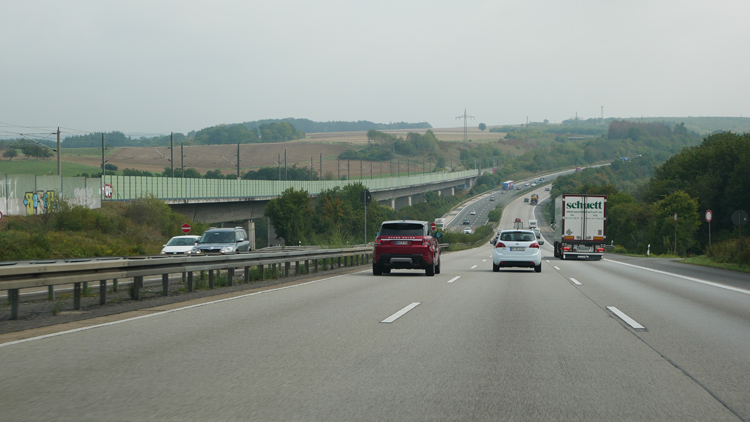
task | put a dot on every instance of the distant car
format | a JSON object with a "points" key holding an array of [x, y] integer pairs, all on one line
{"points": [[179, 245], [502, 192], [492, 198], [473, 212], [517, 248], [547, 188], [537, 232], [407, 244], [222, 241], [518, 188], [525, 199], [466, 221], [467, 230]]}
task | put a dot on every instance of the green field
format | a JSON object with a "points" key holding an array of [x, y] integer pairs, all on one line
{"points": [[45, 167]]}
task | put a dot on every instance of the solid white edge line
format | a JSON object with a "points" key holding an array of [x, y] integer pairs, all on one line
{"points": [[630, 321], [400, 313], [75, 330], [454, 279], [696, 280], [576, 282]]}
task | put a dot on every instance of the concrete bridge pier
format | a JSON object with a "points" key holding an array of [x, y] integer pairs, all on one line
{"points": [[250, 229]]}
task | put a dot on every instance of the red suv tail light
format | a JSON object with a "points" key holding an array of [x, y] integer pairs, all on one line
{"points": [[425, 241], [534, 245], [378, 240]]}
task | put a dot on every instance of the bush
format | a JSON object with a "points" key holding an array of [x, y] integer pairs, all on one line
{"points": [[728, 251]]}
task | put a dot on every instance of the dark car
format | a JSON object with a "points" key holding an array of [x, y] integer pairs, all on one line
{"points": [[406, 244], [466, 221], [222, 241]]}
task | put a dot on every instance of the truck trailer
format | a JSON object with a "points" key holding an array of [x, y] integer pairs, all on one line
{"points": [[534, 199], [580, 226]]}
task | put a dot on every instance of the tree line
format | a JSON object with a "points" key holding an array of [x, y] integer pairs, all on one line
{"points": [[29, 150], [309, 126], [340, 215]]}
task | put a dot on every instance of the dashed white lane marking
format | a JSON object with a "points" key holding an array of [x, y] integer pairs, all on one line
{"points": [[454, 279], [401, 313], [474, 266], [630, 321], [576, 282], [556, 267]]}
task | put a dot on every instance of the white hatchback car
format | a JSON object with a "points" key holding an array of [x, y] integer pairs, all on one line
{"points": [[179, 245], [517, 248]]}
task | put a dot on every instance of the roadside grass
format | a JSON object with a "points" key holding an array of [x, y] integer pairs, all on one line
{"points": [[708, 262]]}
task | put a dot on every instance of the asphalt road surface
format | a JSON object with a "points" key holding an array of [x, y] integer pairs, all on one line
{"points": [[619, 339]]}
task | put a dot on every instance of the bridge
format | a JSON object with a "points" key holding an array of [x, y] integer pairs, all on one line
{"points": [[209, 200]]}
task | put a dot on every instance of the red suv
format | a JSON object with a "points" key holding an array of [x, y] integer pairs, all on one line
{"points": [[406, 244]]}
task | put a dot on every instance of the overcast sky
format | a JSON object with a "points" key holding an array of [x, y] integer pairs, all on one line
{"points": [[152, 66]]}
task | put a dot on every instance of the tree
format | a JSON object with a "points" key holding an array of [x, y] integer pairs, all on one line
{"points": [[482, 127], [290, 215], [686, 208], [37, 151], [10, 153]]}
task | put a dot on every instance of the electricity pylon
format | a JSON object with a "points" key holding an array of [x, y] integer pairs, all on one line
{"points": [[465, 117]]}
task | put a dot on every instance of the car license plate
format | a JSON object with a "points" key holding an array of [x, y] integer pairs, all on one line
{"points": [[517, 249], [401, 242]]}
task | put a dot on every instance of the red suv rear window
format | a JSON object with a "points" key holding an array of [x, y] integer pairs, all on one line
{"points": [[402, 229]]}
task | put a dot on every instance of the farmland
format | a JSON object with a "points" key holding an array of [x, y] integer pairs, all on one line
{"points": [[315, 147]]}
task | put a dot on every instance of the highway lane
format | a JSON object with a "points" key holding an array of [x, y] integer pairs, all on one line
{"points": [[484, 346], [472, 345]]}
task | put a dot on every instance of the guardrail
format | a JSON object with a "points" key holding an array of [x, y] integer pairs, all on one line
{"points": [[33, 274]]}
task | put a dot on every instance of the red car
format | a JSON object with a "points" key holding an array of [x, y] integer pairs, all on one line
{"points": [[406, 244]]}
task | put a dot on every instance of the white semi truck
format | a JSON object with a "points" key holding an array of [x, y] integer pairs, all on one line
{"points": [[579, 226]]}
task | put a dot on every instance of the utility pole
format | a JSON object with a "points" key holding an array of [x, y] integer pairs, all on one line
{"points": [[171, 152], [465, 117], [104, 171], [238, 161], [59, 168]]}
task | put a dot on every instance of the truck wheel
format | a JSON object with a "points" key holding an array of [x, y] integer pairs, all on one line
{"points": [[376, 269]]}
